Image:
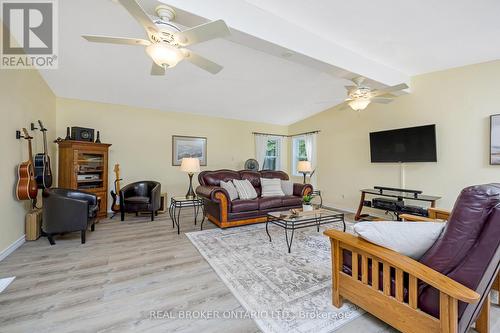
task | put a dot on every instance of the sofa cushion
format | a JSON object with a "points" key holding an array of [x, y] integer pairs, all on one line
{"points": [[213, 178], [411, 239], [231, 190], [245, 189], [270, 202], [465, 224], [239, 205], [271, 187], [291, 200], [287, 187], [274, 174]]}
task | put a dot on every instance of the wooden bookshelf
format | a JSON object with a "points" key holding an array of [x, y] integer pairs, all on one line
{"points": [[84, 166]]}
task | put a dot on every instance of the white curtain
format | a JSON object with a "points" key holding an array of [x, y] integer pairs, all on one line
{"points": [[261, 149], [311, 151], [282, 156]]}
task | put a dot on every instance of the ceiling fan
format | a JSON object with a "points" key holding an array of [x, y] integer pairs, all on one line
{"points": [[360, 96], [167, 42]]}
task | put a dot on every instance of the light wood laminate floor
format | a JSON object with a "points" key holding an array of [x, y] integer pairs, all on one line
{"points": [[125, 271]]}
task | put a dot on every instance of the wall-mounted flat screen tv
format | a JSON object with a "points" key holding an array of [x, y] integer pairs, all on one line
{"points": [[414, 144]]}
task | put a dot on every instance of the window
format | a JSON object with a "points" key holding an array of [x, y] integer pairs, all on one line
{"points": [[273, 152], [299, 153]]}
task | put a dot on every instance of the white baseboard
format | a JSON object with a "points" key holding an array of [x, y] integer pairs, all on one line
{"points": [[12, 247], [337, 207]]}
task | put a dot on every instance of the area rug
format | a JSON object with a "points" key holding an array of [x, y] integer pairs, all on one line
{"points": [[282, 292]]}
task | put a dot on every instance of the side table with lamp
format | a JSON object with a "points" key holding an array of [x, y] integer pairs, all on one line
{"points": [[305, 168], [190, 166]]}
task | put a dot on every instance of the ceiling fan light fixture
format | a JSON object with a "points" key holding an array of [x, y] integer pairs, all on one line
{"points": [[164, 55], [359, 104]]}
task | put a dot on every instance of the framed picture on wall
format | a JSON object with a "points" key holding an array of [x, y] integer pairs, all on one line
{"points": [[188, 146], [495, 139]]}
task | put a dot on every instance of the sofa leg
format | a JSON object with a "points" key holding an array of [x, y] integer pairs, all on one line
{"points": [[51, 239], [152, 216], [483, 321], [83, 236]]}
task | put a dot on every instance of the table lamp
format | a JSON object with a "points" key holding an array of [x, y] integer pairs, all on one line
{"points": [[190, 165], [304, 167]]}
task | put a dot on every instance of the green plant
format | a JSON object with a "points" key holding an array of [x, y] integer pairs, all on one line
{"points": [[307, 199]]}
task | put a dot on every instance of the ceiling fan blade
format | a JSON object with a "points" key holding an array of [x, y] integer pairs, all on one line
{"points": [[116, 40], [381, 100], [358, 80], [388, 90], [202, 62], [202, 33], [140, 15], [157, 70]]}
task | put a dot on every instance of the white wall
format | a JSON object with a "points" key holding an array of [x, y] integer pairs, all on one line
{"points": [[458, 101], [25, 98]]}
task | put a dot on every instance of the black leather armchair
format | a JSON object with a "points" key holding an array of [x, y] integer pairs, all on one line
{"points": [[144, 196], [66, 210]]}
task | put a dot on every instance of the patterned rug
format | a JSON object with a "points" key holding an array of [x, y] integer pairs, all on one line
{"points": [[282, 292]]}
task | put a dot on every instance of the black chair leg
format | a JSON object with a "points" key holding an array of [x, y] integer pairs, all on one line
{"points": [[92, 227], [83, 236], [122, 215], [152, 216], [156, 213], [136, 213], [51, 239]]}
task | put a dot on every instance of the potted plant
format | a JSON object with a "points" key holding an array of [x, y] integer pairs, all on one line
{"points": [[306, 203]]}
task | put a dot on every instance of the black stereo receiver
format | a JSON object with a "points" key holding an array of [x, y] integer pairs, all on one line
{"points": [[387, 204], [82, 134]]}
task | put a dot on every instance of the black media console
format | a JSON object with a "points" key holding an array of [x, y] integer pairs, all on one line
{"points": [[392, 200]]}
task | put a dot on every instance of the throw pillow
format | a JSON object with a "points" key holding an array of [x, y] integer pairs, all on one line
{"points": [[411, 239], [245, 189], [287, 187], [271, 187], [231, 190]]}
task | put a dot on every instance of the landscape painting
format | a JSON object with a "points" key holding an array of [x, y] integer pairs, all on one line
{"points": [[495, 140], [188, 146]]}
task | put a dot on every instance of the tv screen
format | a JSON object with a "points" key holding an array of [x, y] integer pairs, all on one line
{"points": [[414, 144]]}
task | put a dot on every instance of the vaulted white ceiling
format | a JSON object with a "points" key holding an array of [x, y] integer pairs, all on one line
{"points": [[413, 37], [285, 60]]}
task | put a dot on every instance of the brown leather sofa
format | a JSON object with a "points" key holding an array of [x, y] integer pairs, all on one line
{"points": [[226, 213]]}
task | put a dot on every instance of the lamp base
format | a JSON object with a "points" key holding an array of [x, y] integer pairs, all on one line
{"points": [[190, 193], [305, 174]]}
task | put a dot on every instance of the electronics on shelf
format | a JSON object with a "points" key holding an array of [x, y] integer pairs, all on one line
{"points": [[394, 200]]}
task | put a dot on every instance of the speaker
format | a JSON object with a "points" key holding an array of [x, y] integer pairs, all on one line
{"points": [[82, 134]]}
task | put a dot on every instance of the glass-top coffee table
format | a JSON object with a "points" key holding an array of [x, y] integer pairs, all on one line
{"points": [[291, 220]]}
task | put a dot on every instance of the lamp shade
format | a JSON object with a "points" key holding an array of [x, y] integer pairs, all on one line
{"points": [[304, 166], [190, 165], [359, 104], [164, 55]]}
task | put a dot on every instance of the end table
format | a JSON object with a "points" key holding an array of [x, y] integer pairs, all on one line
{"points": [[179, 202]]}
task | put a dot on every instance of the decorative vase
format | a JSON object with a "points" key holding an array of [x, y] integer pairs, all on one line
{"points": [[307, 208]]}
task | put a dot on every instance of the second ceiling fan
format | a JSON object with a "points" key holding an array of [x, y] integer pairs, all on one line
{"points": [[166, 44]]}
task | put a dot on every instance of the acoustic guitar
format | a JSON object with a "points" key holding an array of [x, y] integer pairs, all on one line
{"points": [[43, 172], [26, 188], [115, 206]]}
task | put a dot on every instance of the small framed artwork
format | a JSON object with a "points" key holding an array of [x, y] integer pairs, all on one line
{"points": [[495, 139], [188, 146]]}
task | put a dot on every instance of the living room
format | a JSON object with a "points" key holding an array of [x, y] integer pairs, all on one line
{"points": [[276, 102]]}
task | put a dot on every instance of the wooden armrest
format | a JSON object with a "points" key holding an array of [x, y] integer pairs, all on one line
{"points": [[408, 265], [415, 218]]}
